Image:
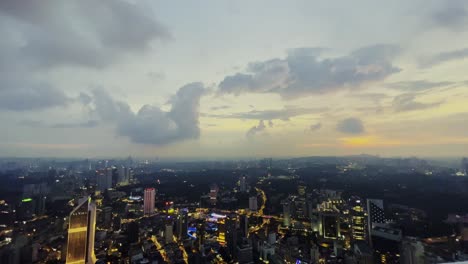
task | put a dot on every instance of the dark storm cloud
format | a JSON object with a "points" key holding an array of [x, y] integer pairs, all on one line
{"points": [[281, 114], [419, 85], [444, 57], [253, 131], [302, 72], [350, 126], [151, 125], [406, 102], [37, 36], [451, 14]]}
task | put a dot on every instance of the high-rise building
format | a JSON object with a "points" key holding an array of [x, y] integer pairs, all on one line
{"points": [[148, 201], [245, 252], [168, 233], [286, 213], [253, 204], [243, 184], [358, 215], [465, 165], [81, 230], [232, 234], [104, 179], [221, 238], [301, 189], [376, 213], [123, 176], [181, 225], [214, 189], [244, 225]]}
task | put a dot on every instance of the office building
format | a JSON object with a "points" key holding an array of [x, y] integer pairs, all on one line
{"points": [[214, 189], [81, 230], [375, 209], [253, 204], [168, 233], [245, 252], [149, 200], [286, 213], [243, 184], [244, 225], [123, 175], [104, 179], [301, 189], [181, 225], [358, 220]]}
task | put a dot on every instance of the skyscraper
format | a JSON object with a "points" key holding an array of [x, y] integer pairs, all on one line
{"points": [[168, 233], [104, 180], [148, 201], [286, 213], [243, 184], [358, 216], [375, 215], [214, 189], [253, 204], [181, 225], [81, 229]]}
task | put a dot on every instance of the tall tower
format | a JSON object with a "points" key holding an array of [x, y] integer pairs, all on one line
{"points": [[81, 229], [253, 204], [243, 184], [358, 214], [148, 201], [375, 214], [286, 213]]}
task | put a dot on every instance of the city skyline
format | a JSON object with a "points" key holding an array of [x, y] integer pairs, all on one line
{"points": [[233, 79]]}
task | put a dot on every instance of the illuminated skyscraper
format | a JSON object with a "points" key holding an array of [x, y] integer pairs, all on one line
{"points": [[358, 216], [81, 229], [148, 201]]}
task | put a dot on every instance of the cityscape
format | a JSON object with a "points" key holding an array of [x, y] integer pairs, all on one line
{"points": [[355, 209], [237, 132]]}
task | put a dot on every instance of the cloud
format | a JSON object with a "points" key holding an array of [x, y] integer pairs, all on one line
{"points": [[452, 15], [418, 85], [315, 127], [350, 126], [151, 125], [36, 123], [79, 32], [303, 73], [221, 107], [253, 131], [443, 57], [157, 76], [24, 96], [281, 114], [406, 102], [38, 37], [86, 124]]}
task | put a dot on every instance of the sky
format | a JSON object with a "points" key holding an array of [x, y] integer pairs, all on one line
{"points": [[231, 79]]}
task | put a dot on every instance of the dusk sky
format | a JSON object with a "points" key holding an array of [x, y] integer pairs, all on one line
{"points": [[222, 79]]}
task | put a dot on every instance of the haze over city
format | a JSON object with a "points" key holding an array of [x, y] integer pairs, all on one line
{"points": [[229, 79]]}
